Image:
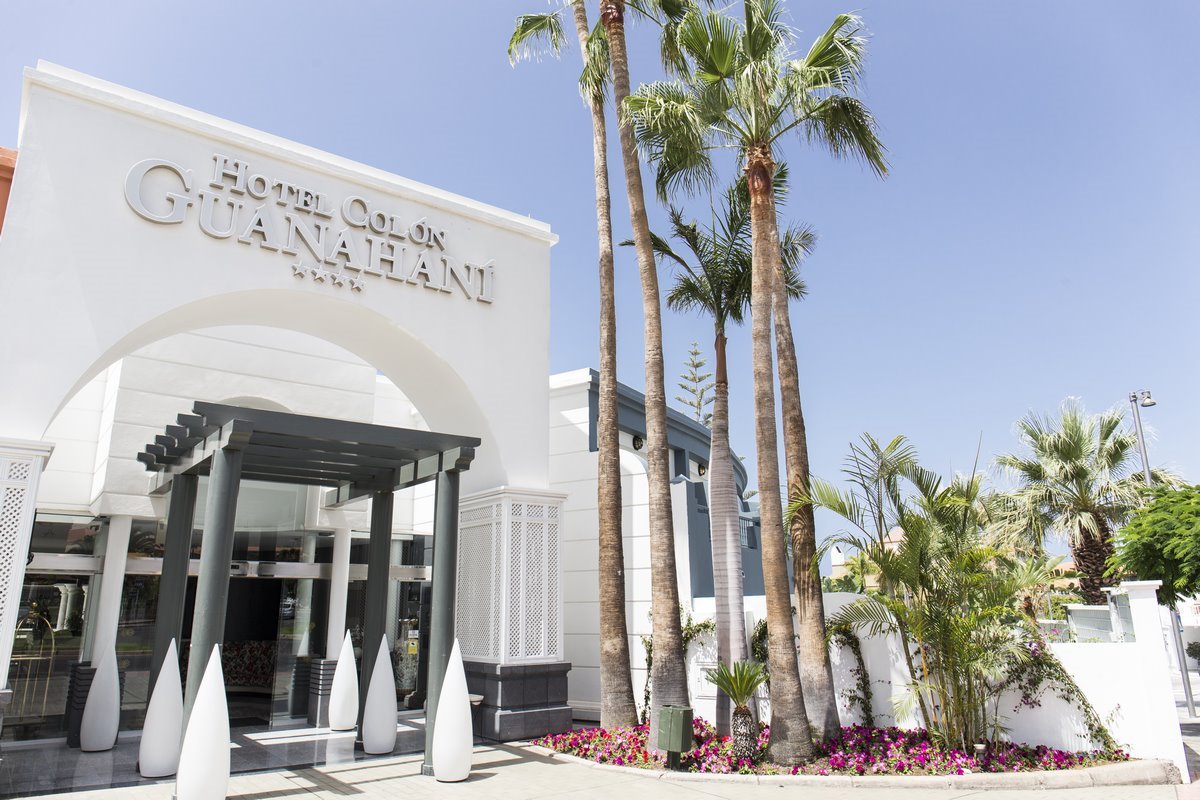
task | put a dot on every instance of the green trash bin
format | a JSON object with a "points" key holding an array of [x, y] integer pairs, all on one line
{"points": [[675, 729]]}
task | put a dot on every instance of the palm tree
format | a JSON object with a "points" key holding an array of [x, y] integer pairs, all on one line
{"points": [[816, 673], [617, 705], [874, 507], [739, 682], [956, 599], [745, 92], [668, 677], [716, 282], [1078, 480]]}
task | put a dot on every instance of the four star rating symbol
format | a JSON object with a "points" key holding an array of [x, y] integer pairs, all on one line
{"points": [[319, 275]]}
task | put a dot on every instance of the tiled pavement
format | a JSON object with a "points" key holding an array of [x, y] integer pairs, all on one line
{"points": [[507, 772]]}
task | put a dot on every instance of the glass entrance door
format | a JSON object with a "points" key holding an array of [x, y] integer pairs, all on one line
{"points": [[48, 640]]}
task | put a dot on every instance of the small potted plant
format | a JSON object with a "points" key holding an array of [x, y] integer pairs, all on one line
{"points": [[740, 682]]}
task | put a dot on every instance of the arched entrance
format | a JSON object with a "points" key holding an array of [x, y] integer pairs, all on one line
{"points": [[186, 221]]}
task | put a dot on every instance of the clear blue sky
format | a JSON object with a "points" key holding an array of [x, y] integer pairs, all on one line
{"points": [[1037, 237]]}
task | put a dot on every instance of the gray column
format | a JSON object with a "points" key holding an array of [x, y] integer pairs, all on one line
{"points": [[172, 586], [216, 551], [379, 562], [443, 590]]}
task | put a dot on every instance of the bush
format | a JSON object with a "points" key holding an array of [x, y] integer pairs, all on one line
{"points": [[1193, 651]]}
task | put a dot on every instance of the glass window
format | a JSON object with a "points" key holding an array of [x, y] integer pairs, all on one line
{"points": [[59, 533]]}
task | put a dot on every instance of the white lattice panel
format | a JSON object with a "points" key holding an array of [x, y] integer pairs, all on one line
{"points": [[510, 587], [480, 557], [19, 472]]}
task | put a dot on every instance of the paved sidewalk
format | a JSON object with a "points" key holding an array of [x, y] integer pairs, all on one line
{"points": [[508, 772]]}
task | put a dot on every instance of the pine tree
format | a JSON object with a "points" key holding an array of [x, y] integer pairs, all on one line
{"points": [[696, 386]]}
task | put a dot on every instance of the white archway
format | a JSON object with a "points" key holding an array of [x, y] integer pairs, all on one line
{"points": [[101, 256]]}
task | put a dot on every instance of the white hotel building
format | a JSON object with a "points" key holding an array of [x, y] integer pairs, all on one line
{"points": [[160, 265]]}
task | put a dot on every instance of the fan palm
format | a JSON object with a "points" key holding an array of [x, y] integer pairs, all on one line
{"points": [[715, 280], [739, 682], [617, 705], [1078, 480], [746, 91]]}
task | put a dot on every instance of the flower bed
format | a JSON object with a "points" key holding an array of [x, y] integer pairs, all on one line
{"points": [[857, 751]]}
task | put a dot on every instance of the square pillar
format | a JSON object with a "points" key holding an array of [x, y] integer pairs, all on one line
{"points": [[216, 552], [172, 586], [510, 612], [21, 465], [442, 599], [379, 562]]}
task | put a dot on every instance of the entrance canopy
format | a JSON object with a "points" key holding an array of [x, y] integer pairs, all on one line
{"points": [[354, 459]]}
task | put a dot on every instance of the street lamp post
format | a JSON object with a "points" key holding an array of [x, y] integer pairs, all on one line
{"points": [[1138, 401]]}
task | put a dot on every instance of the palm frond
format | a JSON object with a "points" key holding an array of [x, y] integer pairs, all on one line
{"points": [[536, 35]]}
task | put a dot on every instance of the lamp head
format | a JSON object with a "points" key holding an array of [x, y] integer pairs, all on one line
{"points": [[1147, 401]]}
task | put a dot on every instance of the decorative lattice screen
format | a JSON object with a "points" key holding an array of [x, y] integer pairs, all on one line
{"points": [[18, 490], [509, 582]]}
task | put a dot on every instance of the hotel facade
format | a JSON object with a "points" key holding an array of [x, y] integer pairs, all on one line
{"points": [[327, 376]]}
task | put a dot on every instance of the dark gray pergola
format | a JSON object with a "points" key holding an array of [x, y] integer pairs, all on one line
{"points": [[354, 460]]}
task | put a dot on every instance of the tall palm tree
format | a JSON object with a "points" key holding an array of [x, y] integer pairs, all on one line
{"points": [[745, 92], [617, 704], [1078, 479], [715, 280], [816, 673], [668, 676]]}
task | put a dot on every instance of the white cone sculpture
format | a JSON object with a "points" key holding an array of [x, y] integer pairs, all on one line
{"points": [[204, 762], [453, 736], [379, 712], [102, 709], [343, 694], [158, 754]]}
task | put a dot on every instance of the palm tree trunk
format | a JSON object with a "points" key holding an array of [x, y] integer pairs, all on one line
{"points": [[1091, 552], [725, 533], [816, 674], [791, 736], [617, 706], [668, 675]]}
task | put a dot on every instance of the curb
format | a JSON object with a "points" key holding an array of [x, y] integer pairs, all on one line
{"points": [[1130, 773]]}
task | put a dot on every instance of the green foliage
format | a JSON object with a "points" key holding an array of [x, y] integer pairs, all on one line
{"points": [[1078, 477], [1193, 651], [696, 386], [740, 681], [948, 585], [747, 88], [758, 644], [846, 583], [1161, 541]]}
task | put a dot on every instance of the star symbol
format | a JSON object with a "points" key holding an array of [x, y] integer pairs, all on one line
{"points": [[318, 275], [337, 278], [356, 284], [299, 270]]}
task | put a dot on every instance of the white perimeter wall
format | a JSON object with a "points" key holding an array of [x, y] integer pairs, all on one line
{"points": [[1129, 685]]}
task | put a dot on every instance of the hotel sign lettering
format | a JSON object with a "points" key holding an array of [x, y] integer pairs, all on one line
{"points": [[343, 241]]}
